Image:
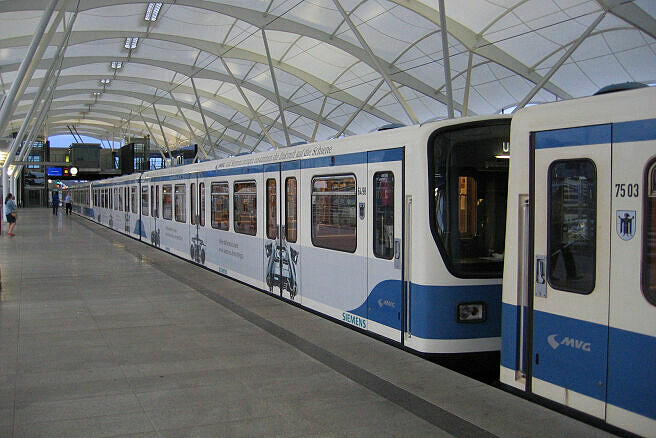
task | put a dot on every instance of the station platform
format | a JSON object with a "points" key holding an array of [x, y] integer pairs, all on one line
{"points": [[101, 335]]}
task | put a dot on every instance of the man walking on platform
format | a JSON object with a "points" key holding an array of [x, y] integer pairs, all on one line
{"points": [[55, 202]]}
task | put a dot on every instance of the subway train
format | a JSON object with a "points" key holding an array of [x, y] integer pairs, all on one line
{"points": [[532, 234], [359, 229]]}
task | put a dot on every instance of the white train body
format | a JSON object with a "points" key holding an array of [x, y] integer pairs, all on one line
{"points": [[579, 285], [403, 233], [344, 227]]}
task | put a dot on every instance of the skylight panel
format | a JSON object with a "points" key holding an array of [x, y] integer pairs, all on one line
{"points": [[152, 11], [131, 42]]}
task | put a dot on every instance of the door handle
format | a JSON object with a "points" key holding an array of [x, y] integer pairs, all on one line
{"points": [[540, 276], [397, 253]]}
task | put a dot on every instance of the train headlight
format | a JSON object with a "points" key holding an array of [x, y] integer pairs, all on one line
{"points": [[471, 312]]}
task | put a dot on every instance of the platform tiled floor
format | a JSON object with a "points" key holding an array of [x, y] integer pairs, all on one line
{"points": [[101, 335]]}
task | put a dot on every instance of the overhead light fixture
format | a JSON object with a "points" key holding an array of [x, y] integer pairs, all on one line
{"points": [[105, 81], [152, 11], [97, 93], [131, 42], [116, 64]]}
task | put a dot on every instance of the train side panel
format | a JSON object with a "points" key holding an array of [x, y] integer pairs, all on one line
{"points": [[579, 318]]}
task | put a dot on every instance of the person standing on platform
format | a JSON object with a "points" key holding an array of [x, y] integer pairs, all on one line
{"points": [[69, 205], [10, 212], [55, 202]]}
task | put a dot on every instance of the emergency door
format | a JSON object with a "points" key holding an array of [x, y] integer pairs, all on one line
{"points": [[571, 178], [282, 249], [385, 229]]}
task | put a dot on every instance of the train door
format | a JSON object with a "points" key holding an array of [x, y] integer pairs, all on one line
{"points": [[155, 231], [384, 259], [281, 248], [202, 233], [272, 247], [290, 175], [571, 182], [196, 242]]}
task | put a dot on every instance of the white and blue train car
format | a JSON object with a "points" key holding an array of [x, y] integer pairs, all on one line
{"points": [[116, 204], [398, 233], [579, 286]]}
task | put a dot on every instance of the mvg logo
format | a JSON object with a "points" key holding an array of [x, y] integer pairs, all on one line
{"points": [[577, 344]]}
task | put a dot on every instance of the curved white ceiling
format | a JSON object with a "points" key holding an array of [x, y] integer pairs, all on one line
{"points": [[275, 72]]}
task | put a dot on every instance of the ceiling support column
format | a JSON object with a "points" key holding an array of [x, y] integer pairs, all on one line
{"points": [[153, 137], [11, 97], [161, 128], [275, 88], [379, 67], [560, 62], [192, 134], [316, 127], [360, 108], [255, 114], [465, 101], [202, 115], [447, 61]]}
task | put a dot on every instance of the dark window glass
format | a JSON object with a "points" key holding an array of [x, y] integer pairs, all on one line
{"points": [[469, 191], [245, 207], [180, 203], [167, 201], [192, 207], [649, 237], [119, 198], [133, 198], [271, 209], [334, 216], [291, 227], [220, 206], [384, 215], [201, 203], [144, 200], [572, 226]]}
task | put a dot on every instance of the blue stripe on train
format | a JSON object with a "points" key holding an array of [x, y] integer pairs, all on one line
{"points": [[307, 163], [572, 353], [632, 372], [580, 356], [433, 310], [622, 132]]}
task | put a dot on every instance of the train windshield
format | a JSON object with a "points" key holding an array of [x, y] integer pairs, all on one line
{"points": [[469, 191]]}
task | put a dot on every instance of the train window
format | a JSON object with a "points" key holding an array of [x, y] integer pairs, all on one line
{"points": [[201, 204], [192, 207], [384, 215], [245, 207], [220, 204], [144, 200], [571, 226], [119, 198], [291, 215], [167, 202], [469, 190], [154, 200], [127, 199], [180, 203], [133, 199], [649, 237], [271, 209], [334, 217]]}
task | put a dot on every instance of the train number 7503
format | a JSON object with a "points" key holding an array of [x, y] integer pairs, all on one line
{"points": [[627, 190]]}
